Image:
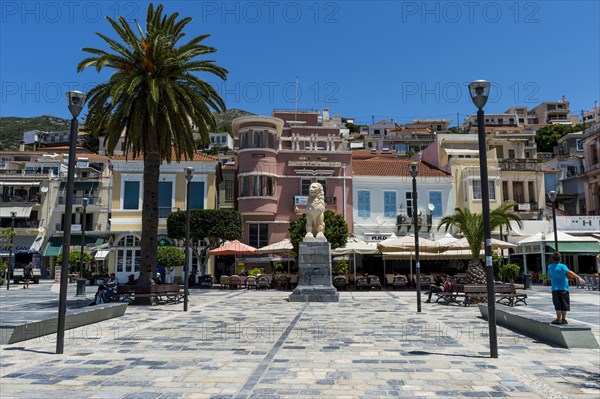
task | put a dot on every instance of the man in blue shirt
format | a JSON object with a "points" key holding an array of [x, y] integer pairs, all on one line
{"points": [[558, 273]]}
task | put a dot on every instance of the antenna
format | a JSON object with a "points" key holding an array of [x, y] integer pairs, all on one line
{"points": [[296, 109]]}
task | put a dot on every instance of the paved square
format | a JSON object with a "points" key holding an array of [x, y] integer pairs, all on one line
{"points": [[248, 344]]}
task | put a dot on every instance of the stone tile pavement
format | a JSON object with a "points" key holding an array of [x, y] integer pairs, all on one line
{"points": [[248, 344]]}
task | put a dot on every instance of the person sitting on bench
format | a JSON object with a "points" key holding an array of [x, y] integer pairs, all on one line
{"points": [[111, 288], [447, 287]]}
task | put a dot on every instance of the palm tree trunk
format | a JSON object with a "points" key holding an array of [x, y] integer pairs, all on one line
{"points": [[475, 272], [149, 242]]}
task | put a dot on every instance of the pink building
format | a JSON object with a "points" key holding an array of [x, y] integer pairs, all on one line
{"points": [[279, 157]]}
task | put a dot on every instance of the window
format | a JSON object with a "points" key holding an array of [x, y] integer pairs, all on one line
{"points": [[128, 257], [409, 204], [165, 198], [258, 235], [511, 154], [229, 193], [376, 132], [477, 190], [131, 195], [259, 139], [389, 204], [257, 186], [579, 145], [435, 198], [438, 128], [306, 185], [364, 203], [197, 195], [244, 140]]}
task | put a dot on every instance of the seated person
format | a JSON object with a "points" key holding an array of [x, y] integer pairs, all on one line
{"points": [[131, 280], [100, 291], [447, 287], [111, 288]]}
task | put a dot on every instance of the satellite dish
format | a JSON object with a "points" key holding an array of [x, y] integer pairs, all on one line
{"points": [[41, 229], [431, 207], [44, 189]]}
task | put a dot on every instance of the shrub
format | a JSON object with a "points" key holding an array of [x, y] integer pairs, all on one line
{"points": [[510, 271], [278, 268], [255, 272], [341, 267]]}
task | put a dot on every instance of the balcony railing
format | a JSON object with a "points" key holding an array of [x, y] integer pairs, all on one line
{"points": [[35, 198], [20, 224], [520, 165], [79, 200]]}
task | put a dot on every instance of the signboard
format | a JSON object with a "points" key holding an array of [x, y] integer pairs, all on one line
{"points": [[165, 241], [578, 223], [524, 207], [322, 164], [377, 237], [301, 200]]}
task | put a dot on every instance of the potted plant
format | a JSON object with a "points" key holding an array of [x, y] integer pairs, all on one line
{"points": [[544, 278], [510, 272], [255, 272], [341, 268], [170, 258]]}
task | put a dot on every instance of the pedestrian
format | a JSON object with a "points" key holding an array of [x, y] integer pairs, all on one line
{"points": [[111, 288], [98, 298], [559, 273], [27, 275]]}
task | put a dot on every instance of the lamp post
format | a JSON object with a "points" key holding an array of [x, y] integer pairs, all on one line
{"points": [[552, 196], [76, 100], [479, 91], [13, 215], [81, 280], [414, 171], [189, 174]]}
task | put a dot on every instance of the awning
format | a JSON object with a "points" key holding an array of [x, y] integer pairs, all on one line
{"points": [[81, 185], [54, 246], [20, 211], [581, 248], [20, 183], [101, 255], [37, 244]]}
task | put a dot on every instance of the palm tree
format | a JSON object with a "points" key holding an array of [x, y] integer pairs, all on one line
{"points": [[471, 226], [154, 99]]}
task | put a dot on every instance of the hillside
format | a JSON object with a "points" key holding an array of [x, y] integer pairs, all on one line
{"points": [[12, 128]]}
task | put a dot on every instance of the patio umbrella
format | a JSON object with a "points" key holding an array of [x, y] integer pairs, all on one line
{"points": [[234, 248], [407, 243], [353, 247], [462, 243], [284, 248]]}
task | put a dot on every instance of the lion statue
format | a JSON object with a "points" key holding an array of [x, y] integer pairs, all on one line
{"points": [[315, 219]]}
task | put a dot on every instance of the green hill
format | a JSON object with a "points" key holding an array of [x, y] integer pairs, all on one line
{"points": [[12, 128], [224, 119]]}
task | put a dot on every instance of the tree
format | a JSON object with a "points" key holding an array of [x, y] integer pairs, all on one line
{"points": [[74, 260], [170, 258], [547, 137], [336, 230], [353, 128], [155, 99], [209, 228], [470, 224]]}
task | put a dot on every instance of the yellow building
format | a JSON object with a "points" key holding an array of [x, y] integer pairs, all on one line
{"points": [[126, 206]]}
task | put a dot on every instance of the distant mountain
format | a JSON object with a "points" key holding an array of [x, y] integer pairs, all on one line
{"points": [[12, 128], [224, 119]]}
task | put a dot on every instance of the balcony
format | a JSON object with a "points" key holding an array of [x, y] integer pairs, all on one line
{"points": [[20, 224], [79, 200], [520, 165], [33, 198]]}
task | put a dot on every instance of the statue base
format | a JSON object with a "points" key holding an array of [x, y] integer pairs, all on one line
{"points": [[314, 274]]}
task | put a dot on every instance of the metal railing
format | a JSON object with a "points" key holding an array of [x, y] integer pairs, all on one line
{"points": [[79, 200], [520, 164], [35, 198]]}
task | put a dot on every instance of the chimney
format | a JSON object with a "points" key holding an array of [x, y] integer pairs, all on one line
{"points": [[596, 104], [325, 114], [564, 99]]}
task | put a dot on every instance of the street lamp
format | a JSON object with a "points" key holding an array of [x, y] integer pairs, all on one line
{"points": [[552, 196], [81, 280], [13, 215], [189, 174], [76, 100], [414, 171], [479, 91]]}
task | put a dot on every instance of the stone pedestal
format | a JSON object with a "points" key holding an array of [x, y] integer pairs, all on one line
{"points": [[314, 274]]}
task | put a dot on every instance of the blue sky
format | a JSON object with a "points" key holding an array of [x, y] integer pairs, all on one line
{"points": [[369, 60]]}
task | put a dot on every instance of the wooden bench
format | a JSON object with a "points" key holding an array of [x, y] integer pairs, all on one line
{"points": [[158, 293], [504, 292]]}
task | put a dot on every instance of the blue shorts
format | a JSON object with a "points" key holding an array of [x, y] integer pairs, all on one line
{"points": [[561, 300]]}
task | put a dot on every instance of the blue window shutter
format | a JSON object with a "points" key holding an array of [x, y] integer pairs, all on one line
{"points": [[364, 203], [165, 198], [131, 195], [435, 198], [389, 204], [197, 195]]}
